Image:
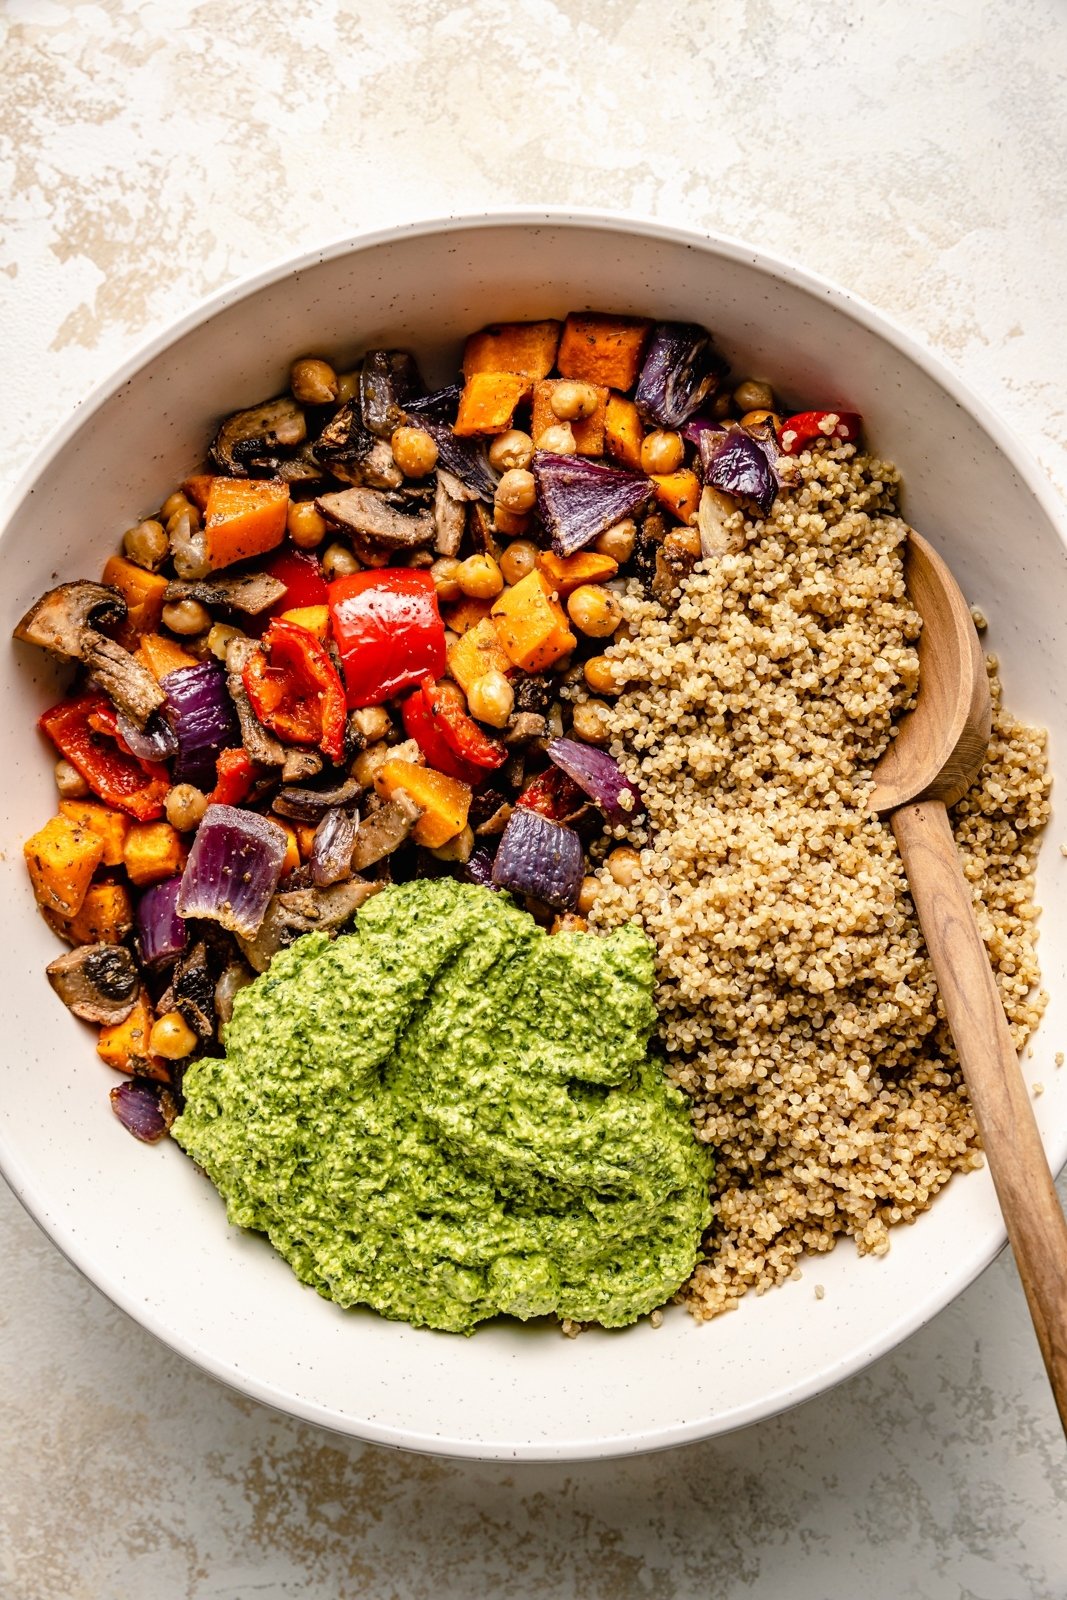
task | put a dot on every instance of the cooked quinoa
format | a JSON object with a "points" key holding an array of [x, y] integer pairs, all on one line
{"points": [[798, 1008]]}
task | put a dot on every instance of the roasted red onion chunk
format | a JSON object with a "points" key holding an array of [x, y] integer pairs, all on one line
{"points": [[740, 465], [161, 934], [156, 741], [599, 775], [201, 713], [540, 858], [146, 1109], [681, 370], [479, 867], [463, 458], [332, 846], [233, 869], [578, 500]]}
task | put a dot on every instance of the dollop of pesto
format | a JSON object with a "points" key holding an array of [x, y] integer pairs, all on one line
{"points": [[446, 1114]]}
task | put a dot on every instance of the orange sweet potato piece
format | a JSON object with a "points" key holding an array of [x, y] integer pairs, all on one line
{"points": [[108, 824], [477, 652], [465, 613], [124, 1045], [445, 801], [488, 402], [161, 655], [153, 851], [679, 492], [566, 573], [291, 859], [602, 349], [316, 619], [531, 624], [244, 517], [198, 488], [105, 917], [143, 593], [588, 432], [61, 859], [623, 431], [527, 347]]}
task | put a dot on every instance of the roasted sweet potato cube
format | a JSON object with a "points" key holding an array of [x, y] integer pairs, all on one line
{"points": [[602, 349], [445, 801], [162, 655], [105, 917], [488, 402], [61, 859], [623, 431], [588, 432], [108, 824], [567, 573], [153, 851], [124, 1045], [531, 624], [527, 347], [143, 593], [244, 517], [678, 491], [477, 652], [465, 613]]}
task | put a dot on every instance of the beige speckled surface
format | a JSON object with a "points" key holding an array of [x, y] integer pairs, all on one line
{"points": [[152, 149]]}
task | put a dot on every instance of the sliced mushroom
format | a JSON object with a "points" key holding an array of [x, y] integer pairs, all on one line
{"points": [[368, 512], [450, 512], [311, 805], [300, 764], [98, 982], [249, 441], [300, 911], [525, 725], [252, 592], [384, 826], [388, 379], [480, 523], [192, 991], [67, 621], [131, 687], [496, 822]]}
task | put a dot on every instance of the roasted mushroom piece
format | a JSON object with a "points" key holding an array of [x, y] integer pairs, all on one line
{"points": [[450, 512], [384, 826], [98, 982], [192, 991], [300, 911], [311, 805], [67, 621], [249, 443], [387, 380], [350, 452], [367, 512], [251, 592]]}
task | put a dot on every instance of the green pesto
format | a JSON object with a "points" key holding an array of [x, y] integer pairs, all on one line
{"points": [[446, 1114]]}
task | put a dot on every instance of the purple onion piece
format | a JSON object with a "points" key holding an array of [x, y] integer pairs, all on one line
{"points": [[540, 858], [145, 1108], [161, 933], [201, 712], [388, 379], [681, 370], [578, 500], [441, 405], [740, 465], [479, 868], [233, 869], [600, 776], [697, 426], [156, 741], [332, 846], [465, 459]]}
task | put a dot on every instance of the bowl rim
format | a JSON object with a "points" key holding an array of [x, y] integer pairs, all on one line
{"points": [[1032, 476]]}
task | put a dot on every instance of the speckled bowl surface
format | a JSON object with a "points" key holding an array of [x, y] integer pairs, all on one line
{"points": [[141, 1222]]}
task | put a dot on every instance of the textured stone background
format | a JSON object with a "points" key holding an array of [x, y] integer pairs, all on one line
{"points": [[153, 149]]}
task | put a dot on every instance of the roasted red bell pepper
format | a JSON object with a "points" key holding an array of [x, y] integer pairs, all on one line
{"points": [[295, 690], [84, 731], [420, 725], [810, 426], [460, 732], [235, 773], [389, 631], [554, 795], [302, 576]]}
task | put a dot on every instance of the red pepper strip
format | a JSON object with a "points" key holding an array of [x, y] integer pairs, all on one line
{"points": [[302, 576], [459, 731], [809, 426], [389, 631], [83, 730], [419, 725], [297, 694], [554, 795], [235, 773]]}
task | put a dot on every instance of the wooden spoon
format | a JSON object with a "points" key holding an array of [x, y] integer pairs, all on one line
{"points": [[935, 757]]}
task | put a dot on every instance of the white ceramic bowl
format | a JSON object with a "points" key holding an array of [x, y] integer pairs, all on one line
{"points": [[140, 1222]]}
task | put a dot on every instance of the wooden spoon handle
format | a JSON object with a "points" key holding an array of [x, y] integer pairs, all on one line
{"points": [[1002, 1107]]}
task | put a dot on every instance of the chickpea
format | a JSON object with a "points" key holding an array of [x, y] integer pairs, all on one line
{"points": [[147, 544], [69, 781], [624, 864], [721, 406], [591, 721], [445, 581], [307, 527], [452, 693], [682, 542], [662, 451], [368, 764], [751, 395], [516, 491], [491, 699], [220, 636], [338, 561], [174, 505], [756, 419], [480, 577], [618, 542], [510, 524], [347, 386], [313, 381], [185, 806], [599, 673], [373, 723], [587, 896], [518, 560], [171, 1037], [594, 610], [559, 440], [511, 451], [570, 401], [186, 617], [414, 451], [459, 848]]}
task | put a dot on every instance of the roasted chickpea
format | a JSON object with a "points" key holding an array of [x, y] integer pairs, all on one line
{"points": [[69, 781], [307, 527], [516, 491], [313, 381], [186, 617], [591, 721], [220, 636], [587, 895], [373, 723], [445, 581], [185, 806], [146, 545], [662, 451], [518, 560], [174, 504], [751, 395], [756, 419], [682, 542], [559, 439], [338, 562], [722, 405], [491, 699], [369, 762], [594, 610], [171, 1037], [570, 401], [599, 673], [624, 864], [347, 386], [414, 451], [480, 577], [618, 542], [510, 451]]}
